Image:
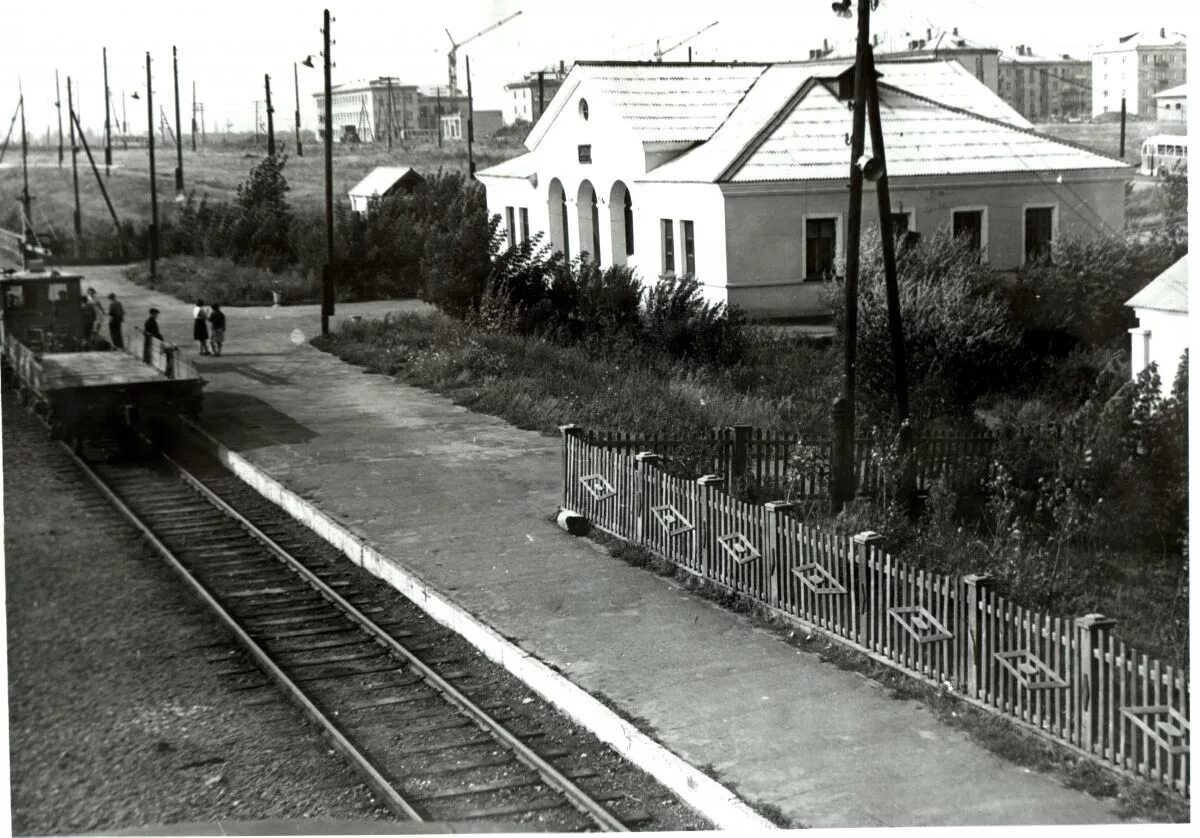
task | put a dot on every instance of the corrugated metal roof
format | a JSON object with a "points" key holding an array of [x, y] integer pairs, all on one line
{"points": [[922, 137], [1149, 39], [517, 167], [945, 80], [1166, 292], [672, 102], [380, 179]]}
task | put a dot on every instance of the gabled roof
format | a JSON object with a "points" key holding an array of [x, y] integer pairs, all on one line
{"points": [[517, 167], [945, 80], [1166, 292], [382, 178], [1172, 92], [1147, 39]]}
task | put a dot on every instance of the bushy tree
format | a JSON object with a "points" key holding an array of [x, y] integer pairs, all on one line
{"points": [[458, 239], [260, 229], [678, 320], [959, 342]]}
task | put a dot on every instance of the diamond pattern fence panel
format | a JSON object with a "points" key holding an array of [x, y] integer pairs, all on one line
{"points": [[1066, 679]]}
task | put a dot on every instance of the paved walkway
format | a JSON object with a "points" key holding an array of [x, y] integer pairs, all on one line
{"points": [[465, 501]]}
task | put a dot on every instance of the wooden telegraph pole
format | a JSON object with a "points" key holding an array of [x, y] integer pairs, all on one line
{"points": [[470, 124], [328, 289], [296, 79], [178, 132], [26, 198], [439, 116], [270, 118], [390, 129], [1121, 153], [195, 130], [107, 121], [153, 183], [78, 216], [58, 107]]}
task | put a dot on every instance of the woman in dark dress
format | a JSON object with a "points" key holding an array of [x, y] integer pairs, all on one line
{"points": [[200, 326]]}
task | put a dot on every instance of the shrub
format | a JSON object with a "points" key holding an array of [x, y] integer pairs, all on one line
{"points": [[459, 240], [958, 340], [678, 321], [260, 228]]}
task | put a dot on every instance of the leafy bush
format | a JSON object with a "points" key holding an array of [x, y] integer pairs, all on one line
{"points": [[958, 340], [678, 320], [459, 241], [260, 227]]}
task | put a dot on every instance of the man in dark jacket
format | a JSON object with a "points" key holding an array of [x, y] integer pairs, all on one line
{"points": [[116, 317], [151, 325]]}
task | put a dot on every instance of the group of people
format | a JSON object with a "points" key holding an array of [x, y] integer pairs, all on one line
{"points": [[208, 323]]}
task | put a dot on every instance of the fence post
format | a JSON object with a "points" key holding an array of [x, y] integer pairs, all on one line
{"points": [[147, 348], [1089, 629], [170, 352], [773, 546], [864, 543], [841, 459], [740, 459], [709, 483], [641, 461], [567, 431], [977, 585]]}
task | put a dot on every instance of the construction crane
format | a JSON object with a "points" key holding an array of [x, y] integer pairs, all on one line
{"points": [[659, 52], [452, 56]]}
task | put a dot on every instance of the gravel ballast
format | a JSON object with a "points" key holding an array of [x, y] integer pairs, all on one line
{"points": [[117, 715]]}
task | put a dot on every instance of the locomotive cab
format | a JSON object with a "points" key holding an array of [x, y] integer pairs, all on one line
{"points": [[43, 310]]}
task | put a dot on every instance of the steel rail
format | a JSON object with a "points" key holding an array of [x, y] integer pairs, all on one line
{"points": [[552, 776], [359, 761]]}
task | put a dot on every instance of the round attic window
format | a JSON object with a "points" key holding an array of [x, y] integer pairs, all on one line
{"points": [[583, 109]]}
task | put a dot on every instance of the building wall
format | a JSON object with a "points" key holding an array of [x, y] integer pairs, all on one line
{"points": [[1160, 337], [1172, 109], [765, 226], [523, 104], [1138, 74], [366, 109], [1044, 90]]}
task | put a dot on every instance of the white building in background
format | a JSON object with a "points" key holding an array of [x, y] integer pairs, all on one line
{"points": [[1162, 334], [736, 174], [1136, 67], [363, 111], [1171, 104]]}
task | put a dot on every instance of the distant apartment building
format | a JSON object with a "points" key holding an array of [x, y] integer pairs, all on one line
{"points": [[487, 123], [434, 103], [364, 111], [1171, 104], [1136, 67], [1043, 88], [532, 93], [978, 59]]}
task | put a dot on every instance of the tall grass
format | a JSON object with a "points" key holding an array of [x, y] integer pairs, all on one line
{"points": [[221, 281]]}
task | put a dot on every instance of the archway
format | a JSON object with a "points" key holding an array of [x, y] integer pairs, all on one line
{"points": [[556, 205], [620, 222], [589, 221]]}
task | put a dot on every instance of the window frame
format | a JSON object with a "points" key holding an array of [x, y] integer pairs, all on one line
{"points": [[983, 232], [666, 235], [687, 226], [524, 224], [838, 243], [510, 223], [1053, 207]]}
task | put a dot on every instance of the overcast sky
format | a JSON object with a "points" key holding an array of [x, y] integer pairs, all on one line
{"points": [[225, 46]]}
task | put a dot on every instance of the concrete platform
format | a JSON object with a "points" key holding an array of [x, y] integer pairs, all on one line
{"points": [[454, 509]]}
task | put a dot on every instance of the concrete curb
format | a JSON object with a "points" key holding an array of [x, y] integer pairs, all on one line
{"points": [[704, 794]]}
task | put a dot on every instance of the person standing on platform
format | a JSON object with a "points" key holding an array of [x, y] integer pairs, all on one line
{"points": [[200, 326], [93, 299], [116, 317], [89, 323], [151, 325], [216, 323]]}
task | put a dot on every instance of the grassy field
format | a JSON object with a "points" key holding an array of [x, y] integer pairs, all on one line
{"points": [[214, 171], [1106, 136]]}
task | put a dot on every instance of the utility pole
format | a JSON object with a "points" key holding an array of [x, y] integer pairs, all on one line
{"points": [[178, 131], [1121, 153], [153, 183], [908, 487], [193, 117], [107, 121], [100, 182], [439, 117], [328, 289], [78, 216], [842, 465], [270, 118], [58, 107], [541, 95], [470, 124], [124, 124], [389, 113], [257, 122], [26, 199], [296, 79]]}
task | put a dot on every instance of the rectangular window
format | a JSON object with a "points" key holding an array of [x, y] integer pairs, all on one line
{"points": [[969, 224], [1039, 232], [668, 246], [524, 224], [689, 248], [820, 245], [510, 223], [585, 154], [900, 223]]}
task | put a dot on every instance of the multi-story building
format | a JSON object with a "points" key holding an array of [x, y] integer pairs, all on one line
{"points": [[981, 61], [532, 93], [437, 101], [364, 111], [1135, 68], [1044, 88]]}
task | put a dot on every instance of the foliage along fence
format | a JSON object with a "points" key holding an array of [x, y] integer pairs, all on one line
{"points": [[769, 458], [1069, 680]]}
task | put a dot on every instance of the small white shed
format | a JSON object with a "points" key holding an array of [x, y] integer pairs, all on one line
{"points": [[380, 182], [1161, 335]]}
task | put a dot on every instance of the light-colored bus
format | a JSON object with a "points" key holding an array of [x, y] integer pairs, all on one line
{"points": [[1164, 153]]}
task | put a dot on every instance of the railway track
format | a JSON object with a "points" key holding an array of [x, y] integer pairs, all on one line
{"points": [[371, 682]]}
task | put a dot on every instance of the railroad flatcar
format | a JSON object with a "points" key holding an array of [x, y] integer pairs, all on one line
{"points": [[82, 386]]}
